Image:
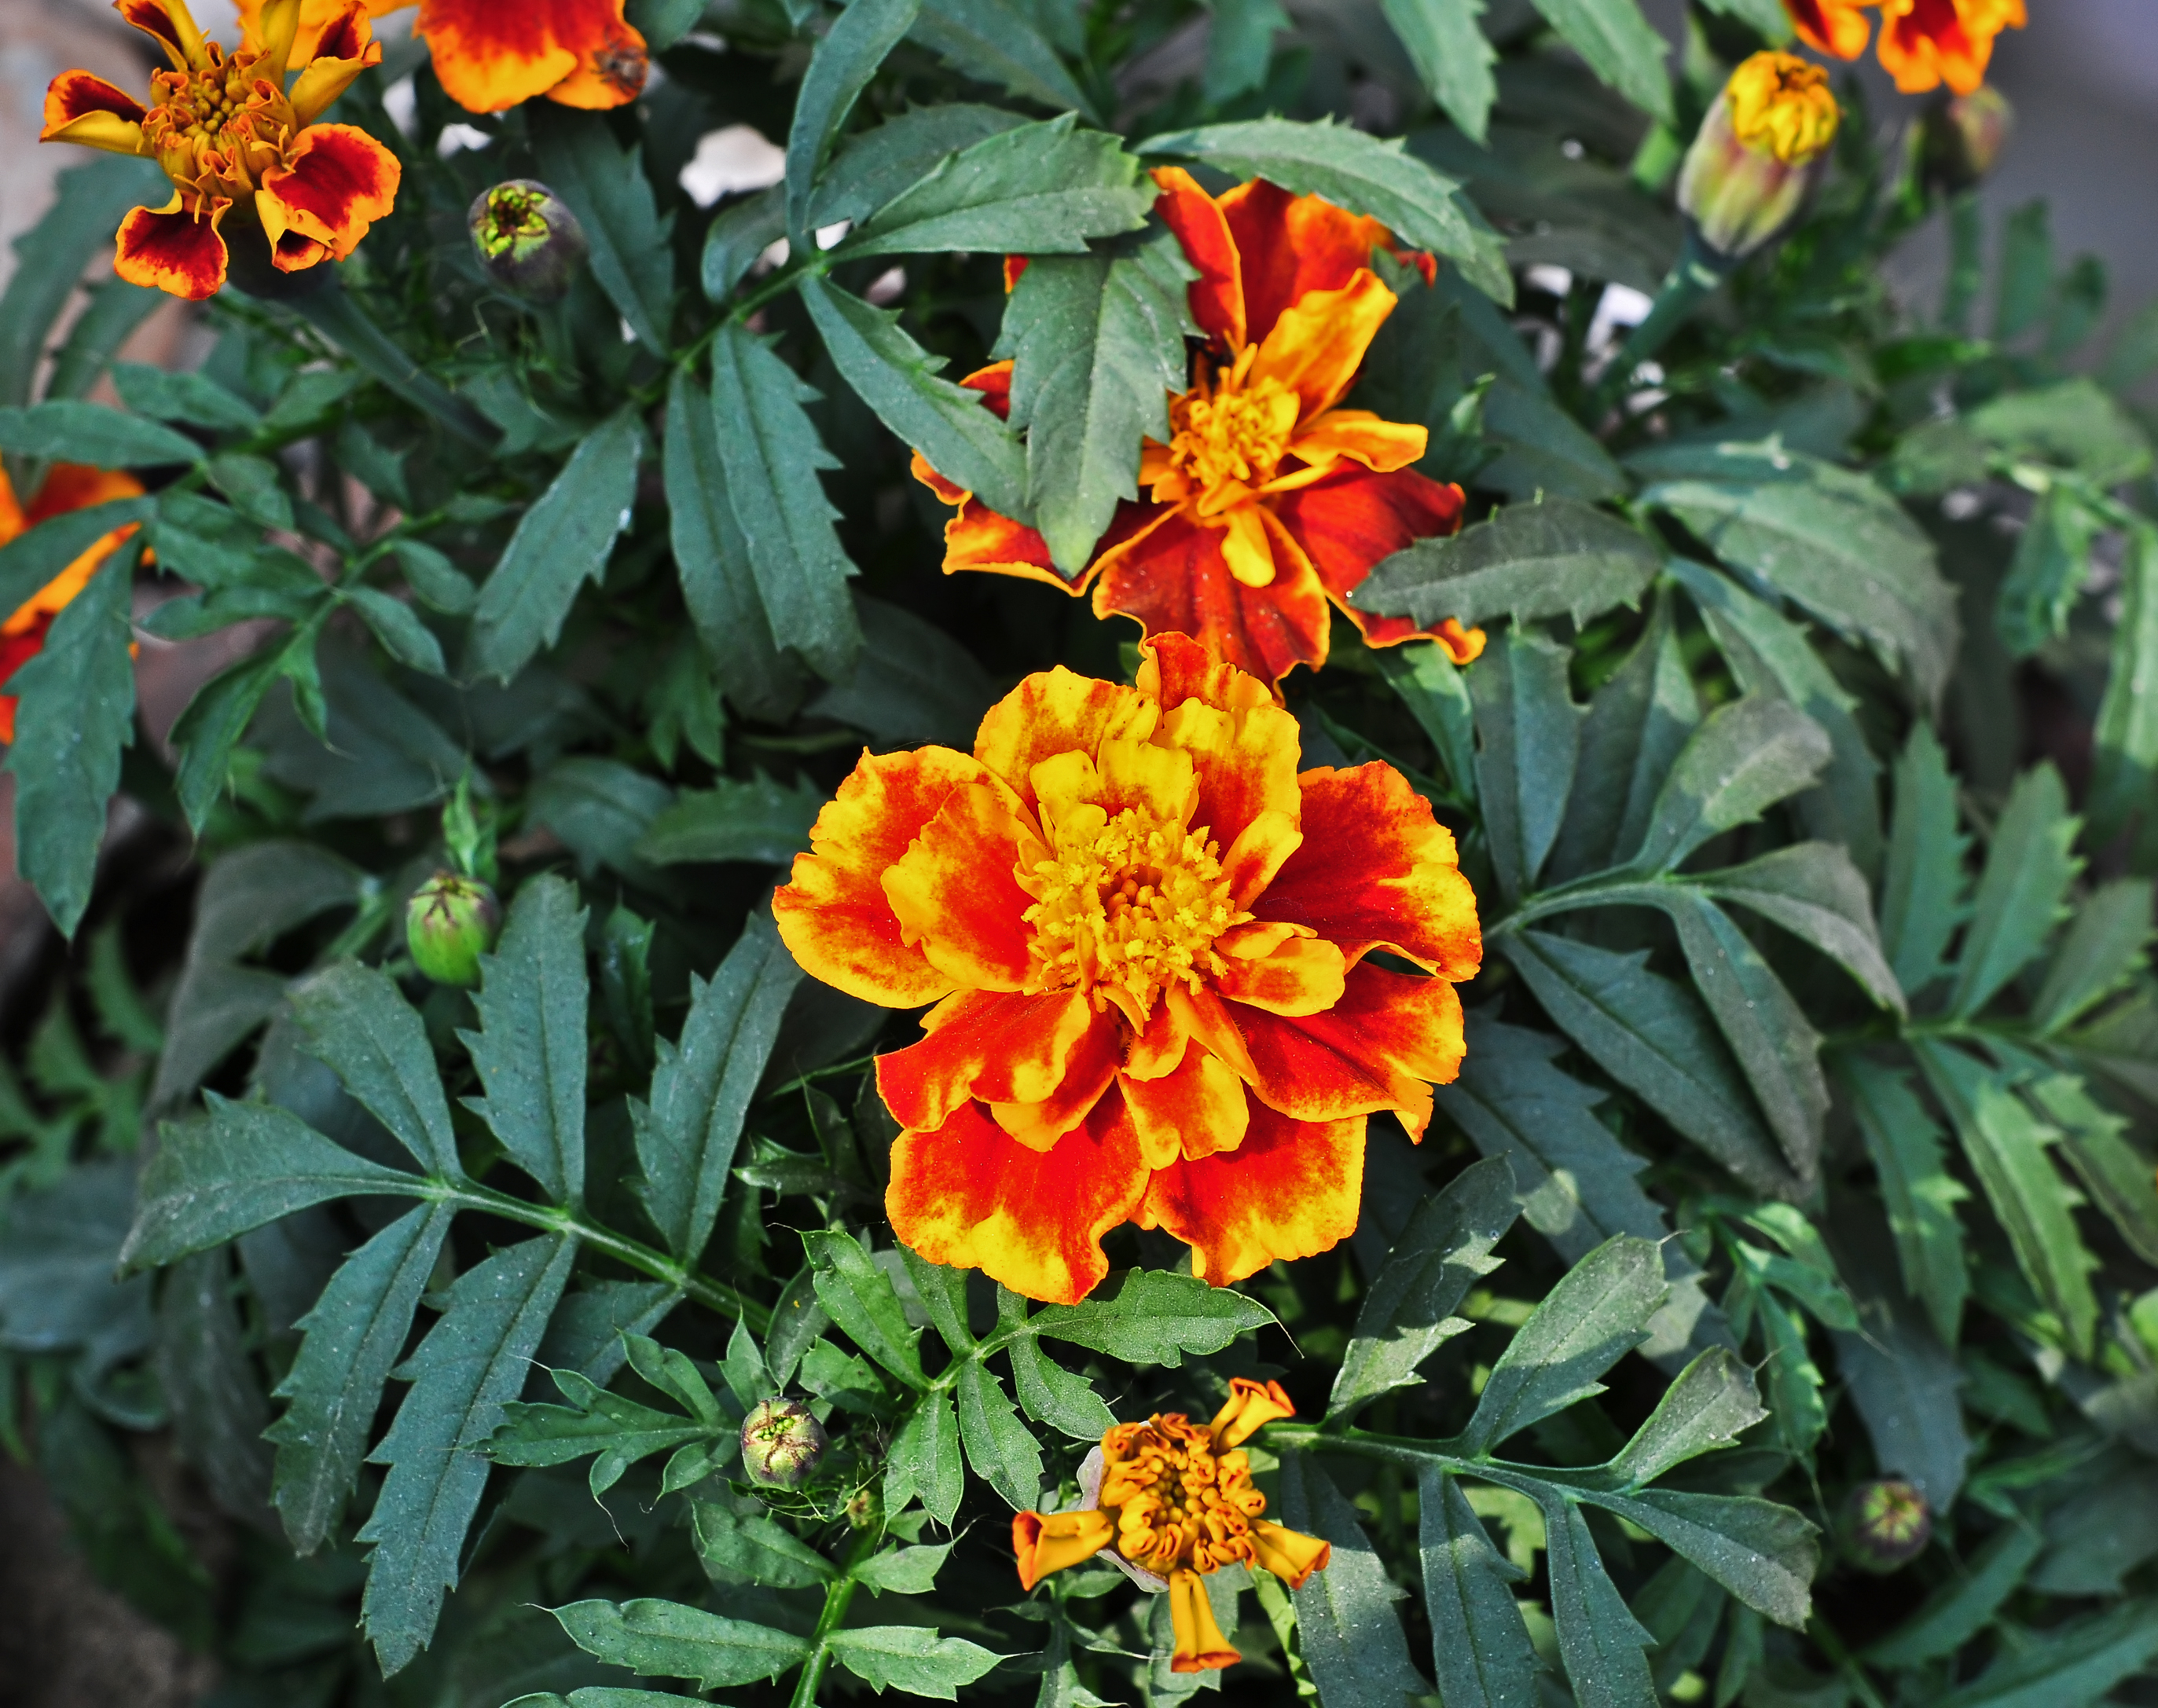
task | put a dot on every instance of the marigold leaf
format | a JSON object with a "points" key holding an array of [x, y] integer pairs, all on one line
{"points": [[358, 1021], [1149, 1316], [1905, 1146], [1561, 557], [1813, 890], [1744, 757], [605, 186], [1600, 1642], [51, 257], [2106, 945], [910, 1658], [1480, 1642], [996, 43], [665, 1640], [2126, 770], [2023, 890], [1621, 46], [1002, 1450], [1350, 1632], [1451, 54], [72, 430], [1528, 732], [760, 821], [840, 67]]}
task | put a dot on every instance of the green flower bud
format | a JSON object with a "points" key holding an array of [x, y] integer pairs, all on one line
{"points": [[1885, 1525], [527, 240], [1962, 137], [1759, 154], [449, 924], [781, 1443]]}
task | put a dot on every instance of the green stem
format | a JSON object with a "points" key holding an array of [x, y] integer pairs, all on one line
{"points": [[1691, 282], [1966, 261], [333, 312], [837, 1595]]}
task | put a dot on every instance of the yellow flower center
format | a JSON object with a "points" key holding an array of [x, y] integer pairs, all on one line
{"points": [[1783, 104], [1233, 437], [213, 129], [1178, 1503], [1132, 902]]}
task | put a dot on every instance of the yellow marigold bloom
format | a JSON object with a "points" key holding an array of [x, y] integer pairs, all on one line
{"points": [[1782, 103], [1175, 1501], [1757, 153], [236, 141]]}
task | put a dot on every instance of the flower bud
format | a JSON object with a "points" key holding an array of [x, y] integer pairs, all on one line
{"points": [[1964, 137], [1885, 1525], [449, 924], [781, 1443], [527, 240], [1759, 153]]}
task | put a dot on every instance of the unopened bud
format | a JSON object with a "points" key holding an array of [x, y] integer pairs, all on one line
{"points": [[528, 240], [1759, 153], [781, 1443], [1885, 1525], [1964, 137], [449, 924]]}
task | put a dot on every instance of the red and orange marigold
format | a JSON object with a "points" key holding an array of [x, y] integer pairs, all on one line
{"points": [[67, 486], [1149, 941], [1269, 500], [1923, 42], [239, 146]]}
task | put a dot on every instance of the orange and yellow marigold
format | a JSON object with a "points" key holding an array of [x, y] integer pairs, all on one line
{"points": [[1270, 500], [1923, 42], [237, 143], [1175, 1501], [67, 486], [1148, 938]]}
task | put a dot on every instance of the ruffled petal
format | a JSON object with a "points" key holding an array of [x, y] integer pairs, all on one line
{"points": [[1200, 1647], [80, 108], [1377, 871], [1193, 1112], [345, 47], [339, 181], [833, 914], [1000, 1048], [971, 1196], [1292, 1189], [1047, 1542], [979, 538], [1249, 1407], [1291, 246], [1834, 27], [1058, 711], [173, 26], [490, 55], [1175, 582], [1244, 751], [955, 894], [1352, 517], [1927, 43], [1290, 1554], [1217, 294], [1377, 1049], [1088, 1073], [171, 250], [1319, 341], [1362, 438], [1300, 976]]}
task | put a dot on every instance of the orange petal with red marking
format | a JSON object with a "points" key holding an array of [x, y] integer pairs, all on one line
{"points": [[1290, 1190], [833, 914], [490, 55], [1088, 1074], [340, 180], [1291, 246], [1377, 871], [1198, 1109], [1299, 976], [971, 1196], [998, 1047], [1319, 341], [1058, 711], [1376, 1049], [1835, 27], [1217, 294], [80, 108], [1290, 1554], [1352, 517], [1174, 581], [1362, 438], [955, 892], [173, 26], [172, 250]]}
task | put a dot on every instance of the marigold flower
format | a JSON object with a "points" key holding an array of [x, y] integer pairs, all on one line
{"points": [[1756, 155], [1927, 43], [1269, 500], [1147, 936], [1837, 27], [68, 486], [1175, 1501], [236, 141]]}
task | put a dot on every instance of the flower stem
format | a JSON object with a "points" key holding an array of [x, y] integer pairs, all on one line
{"points": [[337, 315], [1690, 284], [837, 1595]]}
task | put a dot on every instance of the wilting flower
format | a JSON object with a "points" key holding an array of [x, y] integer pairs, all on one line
{"points": [[67, 486], [1757, 152], [1171, 1502], [238, 144], [1269, 501], [1147, 937], [1923, 42]]}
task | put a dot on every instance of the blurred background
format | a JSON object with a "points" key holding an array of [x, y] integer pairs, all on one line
{"points": [[2085, 84]]}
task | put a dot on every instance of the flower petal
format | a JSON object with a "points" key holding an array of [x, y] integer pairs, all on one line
{"points": [[1291, 246], [1088, 1073], [1374, 1050], [1349, 518], [971, 1196], [833, 914], [612, 75], [339, 181], [80, 108], [990, 1045], [1302, 976], [1377, 871], [1244, 751], [1058, 711], [69, 486], [173, 26], [1200, 1647], [955, 894], [1834, 27], [1319, 341], [979, 538], [1291, 1190], [1198, 1109], [345, 46], [1363, 437], [170, 250], [1174, 581], [1290, 1554], [1047, 1542], [1249, 1407], [490, 55], [1217, 294], [17, 650]]}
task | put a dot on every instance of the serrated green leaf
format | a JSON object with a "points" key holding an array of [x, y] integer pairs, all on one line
{"points": [[665, 1640], [530, 1049], [620, 1431], [757, 1549], [924, 1460], [1528, 733], [193, 398], [910, 1658], [1051, 1395], [860, 1298], [1745, 757], [1436, 691], [995, 43], [1002, 1450], [912, 682], [2046, 576], [563, 541], [75, 711], [359, 1022], [2106, 945], [1812, 889], [606, 187], [1098, 346], [75, 430], [1963, 1607], [2022, 892], [1451, 55], [1905, 1385], [202, 1365], [1600, 1642], [943, 1292], [255, 487], [2068, 1665], [1764, 1554], [600, 808], [2126, 765], [770, 453], [2097, 1538], [470, 1367], [1149, 1316], [2114, 1170], [760, 820], [950, 426], [1240, 45], [1558, 558], [394, 623], [236, 1167], [1712, 1402], [1653, 1037], [1351, 1635], [687, 1136], [1423, 207], [904, 1570], [1923, 889], [1409, 1313], [1905, 1146], [32, 559], [2073, 423], [1479, 1644], [1621, 46], [840, 67], [1596, 1313], [51, 257]]}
